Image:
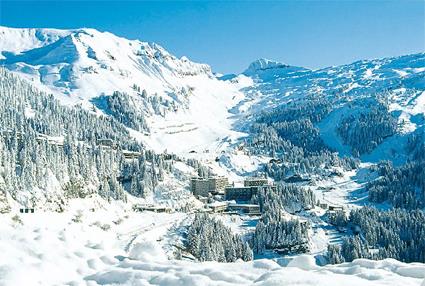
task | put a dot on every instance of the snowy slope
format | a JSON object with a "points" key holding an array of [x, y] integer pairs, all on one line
{"points": [[189, 110], [197, 111], [114, 246], [278, 83], [80, 65], [26, 39], [400, 80], [84, 63], [200, 116]]}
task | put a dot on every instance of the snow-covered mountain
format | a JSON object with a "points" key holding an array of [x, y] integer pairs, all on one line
{"points": [[83, 159], [178, 97], [183, 101], [398, 81], [84, 63], [180, 106], [402, 77]]}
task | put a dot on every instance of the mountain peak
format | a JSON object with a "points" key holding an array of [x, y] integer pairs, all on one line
{"points": [[263, 64], [87, 63]]}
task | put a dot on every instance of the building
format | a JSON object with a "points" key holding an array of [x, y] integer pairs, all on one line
{"points": [[168, 157], [131, 154], [239, 193], [106, 142], [296, 179], [201, 187], [218, 207], [152, 208], [323, 205], [248, 209], [250, 188], [218, 184], [255, 182], [243, 193], [336, 208]]}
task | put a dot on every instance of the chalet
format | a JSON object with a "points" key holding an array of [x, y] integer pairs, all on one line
{"points": [[11, 133], [328, 189], [203, 199], [58, 141], [297, 248]]}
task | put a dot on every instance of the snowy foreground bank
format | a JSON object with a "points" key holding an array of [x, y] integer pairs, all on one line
{"points": [[112, 246]]}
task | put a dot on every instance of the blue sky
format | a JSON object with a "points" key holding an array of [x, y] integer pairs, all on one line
{"points": [[230, 35]]}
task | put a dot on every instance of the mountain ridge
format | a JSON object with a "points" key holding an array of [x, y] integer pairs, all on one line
{"points": [[124, 129], [85, 66]]}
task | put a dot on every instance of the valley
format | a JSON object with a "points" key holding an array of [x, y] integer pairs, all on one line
{"points": [[103, 138]]}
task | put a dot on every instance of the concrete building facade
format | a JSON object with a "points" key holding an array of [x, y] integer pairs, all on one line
{"points": [[239, 193], [255, 182], [218, 184], [201, 187], [249, 209]]}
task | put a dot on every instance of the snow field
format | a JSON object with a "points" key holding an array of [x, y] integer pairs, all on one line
{"points": [[95, 243]]}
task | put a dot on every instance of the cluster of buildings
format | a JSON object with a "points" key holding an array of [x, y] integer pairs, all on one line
{"points": [[218, 186]]}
